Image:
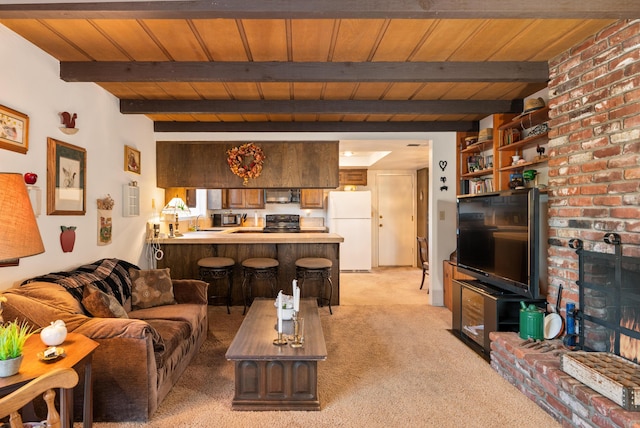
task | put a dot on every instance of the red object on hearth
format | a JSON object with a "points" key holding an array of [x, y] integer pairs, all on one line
{"points": [[67, 238]]}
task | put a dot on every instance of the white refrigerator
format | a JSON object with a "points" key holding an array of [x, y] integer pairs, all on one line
{"points": [[349, 215]]}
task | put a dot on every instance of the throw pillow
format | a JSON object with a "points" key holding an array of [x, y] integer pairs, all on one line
{"points": [[151, 288], [100, 304]]}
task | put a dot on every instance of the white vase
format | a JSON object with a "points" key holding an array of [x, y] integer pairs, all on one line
{"points": [[10, 367]]}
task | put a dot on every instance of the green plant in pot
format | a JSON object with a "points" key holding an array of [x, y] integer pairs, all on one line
{"points": [[13, 335]]}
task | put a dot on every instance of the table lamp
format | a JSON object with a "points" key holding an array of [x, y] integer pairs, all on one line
{"points": [[19, 233], [177, 207]]}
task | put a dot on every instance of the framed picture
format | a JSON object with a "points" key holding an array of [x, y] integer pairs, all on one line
{"points": [[66, 178], [131, 160], [14, 130]]}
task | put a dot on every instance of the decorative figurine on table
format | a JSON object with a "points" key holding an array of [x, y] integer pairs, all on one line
{"points": [[540, 151]]}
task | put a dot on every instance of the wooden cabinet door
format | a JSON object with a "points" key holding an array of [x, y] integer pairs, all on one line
{"points": [[254, 198], [311, 198], [353, 177], [447, 269], [235, 198]]}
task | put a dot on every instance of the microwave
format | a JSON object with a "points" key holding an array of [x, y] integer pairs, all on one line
{"points": [[218, 220], [282, 196]]}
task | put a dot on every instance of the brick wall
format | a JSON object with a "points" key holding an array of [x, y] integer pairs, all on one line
{"points": [[594, 150]]}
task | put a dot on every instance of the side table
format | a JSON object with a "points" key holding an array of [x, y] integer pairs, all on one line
{"points": [[78, 354]]}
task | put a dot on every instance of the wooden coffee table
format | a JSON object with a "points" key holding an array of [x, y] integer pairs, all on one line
{"points": [[270, 377]]}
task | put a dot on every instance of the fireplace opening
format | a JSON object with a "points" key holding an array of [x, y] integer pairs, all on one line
{"points": [[609, 308]]}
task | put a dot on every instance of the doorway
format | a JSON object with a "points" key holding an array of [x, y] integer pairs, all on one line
{"points": [[395, 220]]}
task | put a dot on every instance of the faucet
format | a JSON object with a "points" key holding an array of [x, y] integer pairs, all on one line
{"points": [[197, 224]]}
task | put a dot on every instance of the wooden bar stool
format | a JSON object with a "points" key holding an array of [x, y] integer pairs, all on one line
{"points": [[316, 268], [260, 268], [215, 268]]}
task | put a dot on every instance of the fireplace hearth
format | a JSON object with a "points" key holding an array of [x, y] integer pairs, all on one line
{"points": [[609, 307]]}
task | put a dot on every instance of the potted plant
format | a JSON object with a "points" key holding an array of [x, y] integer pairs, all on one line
{"points": [[13, 335]]}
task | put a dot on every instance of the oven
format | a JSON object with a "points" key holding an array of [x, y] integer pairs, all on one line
{"points": [[282, 223]]}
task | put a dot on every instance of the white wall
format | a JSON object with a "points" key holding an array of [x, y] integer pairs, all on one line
{"points": [[30, 84], [442, 211]]}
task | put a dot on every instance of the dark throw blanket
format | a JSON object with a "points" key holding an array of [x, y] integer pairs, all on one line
{"points": [[109, 275]]}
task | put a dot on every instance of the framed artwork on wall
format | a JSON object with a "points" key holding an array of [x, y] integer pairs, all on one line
{"points": [[66, 178], [132, 160], [14, 130]]}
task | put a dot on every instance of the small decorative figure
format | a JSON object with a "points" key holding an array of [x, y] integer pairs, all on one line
{"points": [[69, 120]]}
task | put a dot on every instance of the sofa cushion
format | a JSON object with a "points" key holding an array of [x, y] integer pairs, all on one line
{"points": [[100, 304], [151, 288], [173, 333], [189, 313]]}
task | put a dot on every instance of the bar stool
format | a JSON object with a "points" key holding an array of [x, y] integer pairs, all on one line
{"points": [[260, 268], [316, 268], [215, 268]]}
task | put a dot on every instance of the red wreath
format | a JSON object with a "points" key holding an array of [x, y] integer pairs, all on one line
{"points": [[236, 161]]}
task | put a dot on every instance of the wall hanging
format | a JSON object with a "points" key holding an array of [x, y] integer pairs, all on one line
{"points": [[66, 178], [14, 130], [105, 222], [69, 122], [67, 238], [132, 160], [246, 161]]}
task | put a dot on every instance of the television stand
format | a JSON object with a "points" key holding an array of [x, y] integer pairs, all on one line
{"points": [[479, 309]]}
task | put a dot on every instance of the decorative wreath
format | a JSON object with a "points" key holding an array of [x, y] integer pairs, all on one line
{"points": [[239, 155]]}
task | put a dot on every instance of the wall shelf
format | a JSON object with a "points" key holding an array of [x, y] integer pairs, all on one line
{"points": [[523, 165], [130, 200]]}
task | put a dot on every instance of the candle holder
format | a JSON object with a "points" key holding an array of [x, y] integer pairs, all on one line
{"points": [[297, 331], [280, 341]]}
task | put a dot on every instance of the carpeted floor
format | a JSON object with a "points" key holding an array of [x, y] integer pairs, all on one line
{"points": [[392, 362]]}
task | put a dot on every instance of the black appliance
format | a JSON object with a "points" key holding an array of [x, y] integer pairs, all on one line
{"points": [[218, 220], [283, 223], [502, 240], [282, 196]]}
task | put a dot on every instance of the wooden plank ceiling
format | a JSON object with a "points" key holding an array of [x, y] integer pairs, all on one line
{"points": [[307, 65]]}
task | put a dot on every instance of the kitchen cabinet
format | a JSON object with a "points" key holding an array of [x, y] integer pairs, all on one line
{"points": [[288, 165], [187, 195], [244, 198], [352, 177], [311, 198], [516, 137]]}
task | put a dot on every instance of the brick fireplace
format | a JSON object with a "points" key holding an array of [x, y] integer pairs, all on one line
{"points": [[594, 190]]}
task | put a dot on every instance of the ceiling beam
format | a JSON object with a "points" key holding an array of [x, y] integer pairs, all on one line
{"points": [[132, 71], [273, 9], [439, 107], [394, 127]]}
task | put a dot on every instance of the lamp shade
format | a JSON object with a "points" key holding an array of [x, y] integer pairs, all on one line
{"points": [[177, 206], [19, 233]]}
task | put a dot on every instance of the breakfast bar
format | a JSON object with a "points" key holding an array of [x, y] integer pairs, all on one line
{"points": [[181, 254]]}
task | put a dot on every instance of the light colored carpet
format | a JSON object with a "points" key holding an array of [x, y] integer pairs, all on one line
{"points": [[392, 362]]}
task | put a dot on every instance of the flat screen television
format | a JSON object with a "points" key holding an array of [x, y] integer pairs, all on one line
{"points": [[502, 240]]}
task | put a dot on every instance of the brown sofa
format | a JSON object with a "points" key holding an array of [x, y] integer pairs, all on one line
{"points": [[139, 359]]}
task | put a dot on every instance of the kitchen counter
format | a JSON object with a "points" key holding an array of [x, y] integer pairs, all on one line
{"points": [[245, 235], [181, 254]]}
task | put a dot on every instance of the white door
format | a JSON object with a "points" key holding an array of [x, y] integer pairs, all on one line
{"points": [[396, 242]]}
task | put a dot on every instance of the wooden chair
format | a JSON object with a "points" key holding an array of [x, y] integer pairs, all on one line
{"points": [[423, 248], [57, 378]]}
